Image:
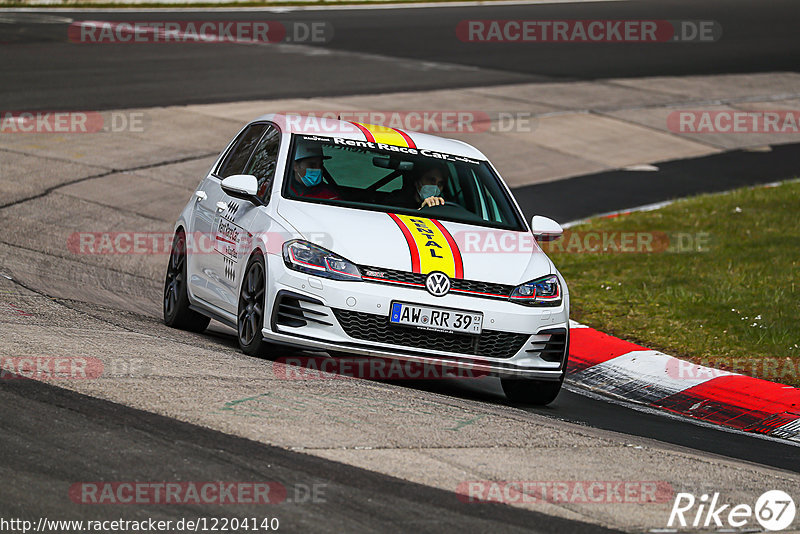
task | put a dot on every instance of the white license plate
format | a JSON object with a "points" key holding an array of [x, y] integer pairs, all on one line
{"points": [[441, 319]]}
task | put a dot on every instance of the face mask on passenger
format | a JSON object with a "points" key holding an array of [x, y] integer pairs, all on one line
{"points": [[427, 191], [312, 177]]}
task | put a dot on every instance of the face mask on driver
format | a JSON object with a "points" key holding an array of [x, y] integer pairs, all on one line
{"points": [[427, 191], [312, 177]]}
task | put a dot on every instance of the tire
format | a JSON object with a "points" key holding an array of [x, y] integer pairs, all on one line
{"points": [[528, 391], [250, 315], [176, 299]]}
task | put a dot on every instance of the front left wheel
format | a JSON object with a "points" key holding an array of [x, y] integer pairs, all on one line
{"points": [[250, 316], [177, 313]]}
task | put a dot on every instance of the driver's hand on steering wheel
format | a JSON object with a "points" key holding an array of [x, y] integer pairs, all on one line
{"points": [[432, 201]]}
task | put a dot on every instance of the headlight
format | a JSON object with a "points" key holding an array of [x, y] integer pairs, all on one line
{"points": [[545, 291], [312, 259]]}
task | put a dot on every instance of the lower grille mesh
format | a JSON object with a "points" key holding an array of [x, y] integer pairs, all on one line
{"points": [[376, 328]]}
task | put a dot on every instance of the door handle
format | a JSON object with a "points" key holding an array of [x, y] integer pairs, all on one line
{"points": [[200, 195], [221, 206]]}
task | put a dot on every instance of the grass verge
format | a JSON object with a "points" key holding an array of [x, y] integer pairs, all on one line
{"points": [[720, 285]]}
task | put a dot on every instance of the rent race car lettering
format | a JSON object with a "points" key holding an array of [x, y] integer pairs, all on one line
{"points": [[393, 148], [371, 144], [353, 142]]}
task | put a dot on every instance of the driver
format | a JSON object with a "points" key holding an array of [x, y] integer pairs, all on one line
{"points": [[429, 181], [307, 175]]}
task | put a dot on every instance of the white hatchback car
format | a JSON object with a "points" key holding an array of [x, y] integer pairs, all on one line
{"points": [[343, 237]]}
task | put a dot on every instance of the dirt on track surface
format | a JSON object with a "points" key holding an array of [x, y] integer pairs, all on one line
{"points": [[58, 302]]}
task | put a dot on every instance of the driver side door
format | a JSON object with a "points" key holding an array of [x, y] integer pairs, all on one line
{"points": [[239, 219], [213, 213]]}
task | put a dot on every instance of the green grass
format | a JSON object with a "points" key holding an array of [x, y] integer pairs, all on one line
{"points": [[734, 304]]}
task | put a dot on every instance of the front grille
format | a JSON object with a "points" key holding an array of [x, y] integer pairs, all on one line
{"points": [[376, 328], [553, 349], [381, 275], [392, 275], [487, 288]]}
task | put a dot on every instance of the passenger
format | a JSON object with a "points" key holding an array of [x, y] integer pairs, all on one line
{"points": [[307, 175]]}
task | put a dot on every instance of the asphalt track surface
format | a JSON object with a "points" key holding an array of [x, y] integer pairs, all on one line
{"points": [[125, 441], [50, 73], [619, 190], [55, 437], [371, 51]]}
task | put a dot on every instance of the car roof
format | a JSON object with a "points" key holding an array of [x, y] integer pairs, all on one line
{"points": [[328, 127]]}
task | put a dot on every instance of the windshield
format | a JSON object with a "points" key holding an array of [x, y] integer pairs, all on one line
{"points": [[368, 175]]}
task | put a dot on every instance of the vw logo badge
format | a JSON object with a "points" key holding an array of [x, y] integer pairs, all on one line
{"points": [[438, 284]]}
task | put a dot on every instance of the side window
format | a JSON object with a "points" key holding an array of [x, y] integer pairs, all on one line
{"points": [[262, 164], [237, 158]]}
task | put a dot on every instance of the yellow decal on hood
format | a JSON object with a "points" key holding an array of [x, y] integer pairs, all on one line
{"points": [[431, 245]]}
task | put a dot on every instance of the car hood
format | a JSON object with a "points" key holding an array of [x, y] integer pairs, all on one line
{"points": [[419, 244]]}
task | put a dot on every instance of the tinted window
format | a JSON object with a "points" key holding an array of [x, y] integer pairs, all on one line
{"points": [[262, 165], [237, 158]]}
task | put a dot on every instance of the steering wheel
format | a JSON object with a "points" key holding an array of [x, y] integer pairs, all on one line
{"points": [[446, 204]]}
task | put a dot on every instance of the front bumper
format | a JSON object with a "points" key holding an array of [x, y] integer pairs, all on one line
{"points": [[316, 313]]}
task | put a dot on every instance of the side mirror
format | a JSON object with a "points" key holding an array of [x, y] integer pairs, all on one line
{"points": [[545, 229], [244, 186]]}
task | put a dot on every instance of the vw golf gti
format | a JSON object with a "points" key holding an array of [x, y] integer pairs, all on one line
{"points": [[344, 237]]}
